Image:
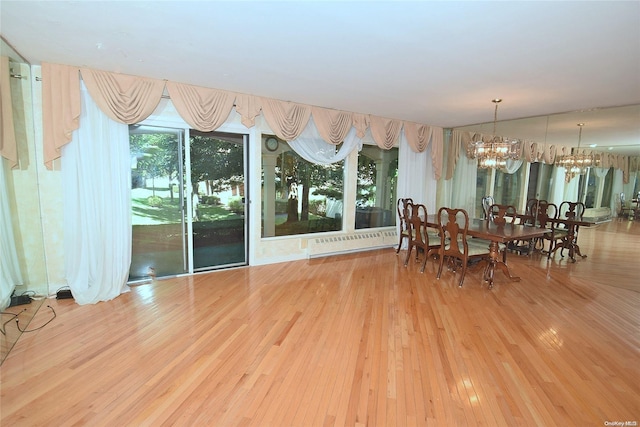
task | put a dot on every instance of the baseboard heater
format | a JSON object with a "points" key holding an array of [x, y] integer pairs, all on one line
{"points": [[355, 242]]}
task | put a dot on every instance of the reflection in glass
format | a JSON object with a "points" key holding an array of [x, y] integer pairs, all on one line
{"points": [[21, 206], [217, 199], [376, 192], [508, 187], [157, 218], [299, 197]]}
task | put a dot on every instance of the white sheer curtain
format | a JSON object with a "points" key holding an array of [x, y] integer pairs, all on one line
{"points": [[416, 178], [96, 178], [311, 147], [600, 173], [559, 189], [10, 274], [463, 192], [512, 166]]}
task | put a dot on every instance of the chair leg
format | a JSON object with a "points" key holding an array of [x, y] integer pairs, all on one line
{"points": [[424, 262], [400, 242], [464, 270], [406, 260], [440, 267]]}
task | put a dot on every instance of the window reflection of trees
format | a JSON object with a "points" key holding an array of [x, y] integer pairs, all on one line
{"points": [[308, 196]]}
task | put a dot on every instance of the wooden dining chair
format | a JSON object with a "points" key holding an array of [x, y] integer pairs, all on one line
{"points": [[404, 226], [419, 236], [500, 215], [531, 206], [571, 210], [487, 202], [546, 215], [455, 248]]}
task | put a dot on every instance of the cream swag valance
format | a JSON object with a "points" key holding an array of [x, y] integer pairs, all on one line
{"points": [[130, 99]]}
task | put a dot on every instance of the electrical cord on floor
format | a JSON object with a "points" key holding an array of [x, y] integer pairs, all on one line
{"points": [[34, 295], [9, 313], [30, 293], [39, 327]]}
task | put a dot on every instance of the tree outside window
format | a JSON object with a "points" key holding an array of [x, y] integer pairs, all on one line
{"points": [[302, 197]]}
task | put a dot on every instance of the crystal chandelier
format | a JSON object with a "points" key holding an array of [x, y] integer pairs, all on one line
{"points": [[577, 163], [494, 154]]}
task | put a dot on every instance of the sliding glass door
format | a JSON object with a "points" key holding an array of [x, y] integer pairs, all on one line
{"points": [[157, 203], [187, 202], [218, 199]]}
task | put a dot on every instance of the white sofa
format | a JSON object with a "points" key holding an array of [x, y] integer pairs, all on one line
{"points": [[597, 215]]}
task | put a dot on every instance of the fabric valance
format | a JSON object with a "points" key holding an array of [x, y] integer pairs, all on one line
{"points": [[130, 99], [60, 108], [385, 132], [204, 109], [125, 99]]}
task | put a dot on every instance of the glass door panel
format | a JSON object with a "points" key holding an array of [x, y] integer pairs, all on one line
{"points": [[157, 203], [218, 199]]}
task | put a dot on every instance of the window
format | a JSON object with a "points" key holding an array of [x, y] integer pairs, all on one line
{"points": [[508, 187], [540, 181], [587, 186], [377, 187], [298, 197]]}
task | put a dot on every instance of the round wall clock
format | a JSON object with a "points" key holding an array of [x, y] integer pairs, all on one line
{"points": [[271, 143]]}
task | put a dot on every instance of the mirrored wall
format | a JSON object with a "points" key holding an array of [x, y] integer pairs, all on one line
{"points": [[24, 275], [612, 130], [608, 129]]}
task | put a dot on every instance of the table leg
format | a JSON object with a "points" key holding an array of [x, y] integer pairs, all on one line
{"points": [[494, 262]]}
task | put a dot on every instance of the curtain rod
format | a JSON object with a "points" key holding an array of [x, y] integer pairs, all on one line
{"points": [[19, 76]]}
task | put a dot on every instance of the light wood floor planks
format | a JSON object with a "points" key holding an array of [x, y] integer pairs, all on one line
{"points": [[349, 340]]}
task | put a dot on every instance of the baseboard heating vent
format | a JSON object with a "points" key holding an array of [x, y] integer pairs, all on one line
{"points": [[334, 245]]}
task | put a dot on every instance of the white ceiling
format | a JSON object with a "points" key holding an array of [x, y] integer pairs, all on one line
{"points": [[433, 62]]}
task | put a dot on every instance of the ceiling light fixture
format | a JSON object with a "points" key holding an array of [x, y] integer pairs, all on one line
{"points": [[496, 152], [577, 163]]}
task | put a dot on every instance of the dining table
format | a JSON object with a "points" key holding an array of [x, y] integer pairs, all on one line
{"points": [[496, 234], [570, 240]]}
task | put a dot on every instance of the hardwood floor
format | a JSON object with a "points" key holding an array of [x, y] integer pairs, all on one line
{"points": [[349, 340], [14, 320]]}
